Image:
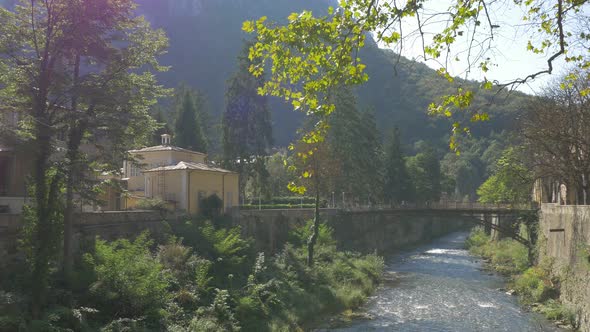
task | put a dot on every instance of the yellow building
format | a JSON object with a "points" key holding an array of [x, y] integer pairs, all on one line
{"points": [[15, 165], [181, 177]]}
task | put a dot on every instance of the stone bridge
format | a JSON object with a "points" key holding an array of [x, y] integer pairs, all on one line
{"points": [[384, 228], [377, 228]]}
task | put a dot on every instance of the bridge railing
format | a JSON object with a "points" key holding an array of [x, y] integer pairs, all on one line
{"points": [[472, 206]]}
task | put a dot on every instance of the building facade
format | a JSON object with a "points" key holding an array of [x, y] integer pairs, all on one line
{"points": [[180, 177], [15, 165]]}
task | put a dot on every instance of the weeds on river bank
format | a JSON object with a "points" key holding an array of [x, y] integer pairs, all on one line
{"points": [[535, 286], [203, 277]]}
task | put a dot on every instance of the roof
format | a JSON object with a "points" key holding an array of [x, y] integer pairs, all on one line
{"points": [[184, 165], [165, 148]]}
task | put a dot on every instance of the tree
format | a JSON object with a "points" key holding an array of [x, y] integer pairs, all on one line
{"points": [[397, 183], [83, 69], [304, 72], [317, 165], [511, 181], [353, 141], [556, 132], [246, 122], [344, 144], [371, 156], [424, 170], [188, 128], [163, 127], [279, 176]]}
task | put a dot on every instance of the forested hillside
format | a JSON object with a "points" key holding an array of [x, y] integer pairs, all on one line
{"points": [[206, 38]]}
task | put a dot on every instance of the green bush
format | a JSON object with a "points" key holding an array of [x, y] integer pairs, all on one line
{"points": [[211, 206], [285, 200], [477, 238], [152, 204], [299, 236], [507, 256], [207, 279], [232, 255], [554, 310], [130, 281], [276, 206], [534, 285], [510, 257]]}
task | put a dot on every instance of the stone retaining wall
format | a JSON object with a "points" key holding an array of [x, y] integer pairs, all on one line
{"points": [[566, 232], [363, 231], [107, 225]]}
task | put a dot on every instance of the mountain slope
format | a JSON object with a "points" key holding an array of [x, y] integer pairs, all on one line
{"points": [[206, 37]]}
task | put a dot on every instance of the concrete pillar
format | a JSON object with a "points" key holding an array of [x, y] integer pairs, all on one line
{"points": [[496, 235], [184, 191], [487, 218]]}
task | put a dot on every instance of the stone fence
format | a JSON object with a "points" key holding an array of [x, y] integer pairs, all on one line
{"points": [[88, 225], [368, 231], [566, 232]]}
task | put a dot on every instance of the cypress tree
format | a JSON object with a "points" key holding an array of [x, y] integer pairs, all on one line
{"points": [[398, 186], [246, 123], [188, 130]]}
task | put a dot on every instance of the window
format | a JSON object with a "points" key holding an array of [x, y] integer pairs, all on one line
{"points": [[135, 170], [4, 175]]}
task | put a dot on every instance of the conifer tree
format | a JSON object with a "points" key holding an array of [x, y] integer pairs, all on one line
{"points": [[163, 127], [371, 156], [397, 184], [424, 170], [246, 122], [188, 128]]}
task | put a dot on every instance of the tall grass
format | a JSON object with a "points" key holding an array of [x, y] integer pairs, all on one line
{"points": [[535, 285]]}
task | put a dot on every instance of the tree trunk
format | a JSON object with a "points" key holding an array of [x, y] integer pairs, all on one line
{"points": [[41, 238], [585, 189], [316, 225], [72, 173], [72, 158], [41, 242]]}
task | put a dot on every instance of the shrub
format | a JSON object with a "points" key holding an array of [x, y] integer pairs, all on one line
{"points": [[299, 236], [284, 200], [534, 285], [211, 206], [510, 257], [477, 238], [554, 310], [232, 256], [216, 317], [155, 204], [276, 206], [131, 282]]}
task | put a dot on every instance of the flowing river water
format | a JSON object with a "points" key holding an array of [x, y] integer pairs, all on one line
{"points": [[441, 287]]}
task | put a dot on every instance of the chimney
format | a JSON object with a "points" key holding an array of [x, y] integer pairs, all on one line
{"points": [[166, 139]]}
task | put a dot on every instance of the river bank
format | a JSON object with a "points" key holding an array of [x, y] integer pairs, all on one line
{"points": [[537, 288], [441, 287]]}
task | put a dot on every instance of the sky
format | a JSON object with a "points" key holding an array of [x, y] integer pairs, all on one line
{"points": [[507, 49]]}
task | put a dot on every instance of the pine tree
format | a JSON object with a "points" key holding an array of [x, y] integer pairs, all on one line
{"points": [[246, 122], [163, 128], [371, 154], [188, 128], [424, 170], [343, 138], [398, 186]]}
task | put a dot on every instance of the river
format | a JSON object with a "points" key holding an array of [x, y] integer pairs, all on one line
{"points": [[441, 287]]}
